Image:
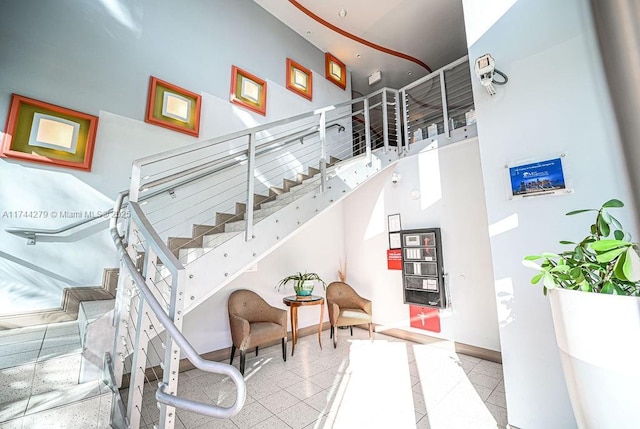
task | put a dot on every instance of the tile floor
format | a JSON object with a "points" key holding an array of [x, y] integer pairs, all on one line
{"points": [[39, 370], [385, 383]]}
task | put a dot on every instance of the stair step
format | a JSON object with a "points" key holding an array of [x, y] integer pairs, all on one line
{"points": [[213, 241]]}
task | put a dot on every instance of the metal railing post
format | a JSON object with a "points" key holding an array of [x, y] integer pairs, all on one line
{"points": [[322, 127], [171, 368], [397, 122], [445, 108], [405, 117], [385, 122], [367, 130], [251, 165]]}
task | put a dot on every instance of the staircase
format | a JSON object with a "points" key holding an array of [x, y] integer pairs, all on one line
{"points": [[195, 218]]}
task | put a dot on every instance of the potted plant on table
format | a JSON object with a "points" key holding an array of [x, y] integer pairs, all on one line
{"points": [[303, 283], [593, 288]]}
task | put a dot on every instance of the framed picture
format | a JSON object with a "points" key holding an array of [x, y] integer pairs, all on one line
{"points": [[299, 79], [248, 91], [545, 177], [41, 132], [172, 107], [394, 240], [393, 222], [335, 70]]}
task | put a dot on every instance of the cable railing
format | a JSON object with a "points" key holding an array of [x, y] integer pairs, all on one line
{"points": [[439, 104], [187, 201], [198, 197]]}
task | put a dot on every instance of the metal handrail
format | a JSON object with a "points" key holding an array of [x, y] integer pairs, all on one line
{"points": [[31, 233], [165, 320], [254, 130]]}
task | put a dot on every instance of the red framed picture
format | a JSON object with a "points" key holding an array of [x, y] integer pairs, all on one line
{"points": [[299, 79], [172, 107], [335, 71], [37, 131], [248, 91]]}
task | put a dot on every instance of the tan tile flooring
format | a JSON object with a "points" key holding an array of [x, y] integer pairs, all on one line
{"points": [[384, 383]]}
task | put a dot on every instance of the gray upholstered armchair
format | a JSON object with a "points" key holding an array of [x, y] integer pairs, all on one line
{"points": [[254, 323], [347, 308]]}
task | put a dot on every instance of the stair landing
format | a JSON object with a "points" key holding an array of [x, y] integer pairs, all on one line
{"points": [[39, 372]]}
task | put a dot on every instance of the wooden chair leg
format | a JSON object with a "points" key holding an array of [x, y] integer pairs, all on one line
{"points": [[335, 337], [370, 331], [256, 350], [242, 360], [233, 353], [351, 329], [331, 332], [284, 349]]}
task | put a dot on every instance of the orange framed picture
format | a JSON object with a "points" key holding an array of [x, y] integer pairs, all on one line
{"points": [[248, 91], [41, 132], [335, 71], [172, 107], [299, 79]]}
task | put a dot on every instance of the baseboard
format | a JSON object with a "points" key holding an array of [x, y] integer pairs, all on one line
{"points": [[466, 349], [68, 311]]}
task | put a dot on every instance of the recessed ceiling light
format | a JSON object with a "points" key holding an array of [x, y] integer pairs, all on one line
{"points": [[342, 13], [358, 55], [308, 32]]}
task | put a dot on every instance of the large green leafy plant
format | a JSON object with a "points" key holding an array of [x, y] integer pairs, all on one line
{"points": [[605, 261]]}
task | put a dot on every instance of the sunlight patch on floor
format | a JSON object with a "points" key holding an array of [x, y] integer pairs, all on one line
{"points": [[450, 398], [363, 399]]}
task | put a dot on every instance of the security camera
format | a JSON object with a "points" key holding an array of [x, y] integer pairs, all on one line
{"points": [[485, 68]]}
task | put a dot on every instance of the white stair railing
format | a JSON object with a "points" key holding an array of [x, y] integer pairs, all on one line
{"points": [[205, 194]]}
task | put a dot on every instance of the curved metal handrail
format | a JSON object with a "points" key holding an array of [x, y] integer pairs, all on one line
{"points": [[181, 341]]}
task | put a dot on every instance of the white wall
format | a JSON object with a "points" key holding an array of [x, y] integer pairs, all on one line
{"points": [[96, 57], [317, 247], [449, 180], [555, 101]]}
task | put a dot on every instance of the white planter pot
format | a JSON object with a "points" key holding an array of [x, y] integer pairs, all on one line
{"points": [[599, 340]]}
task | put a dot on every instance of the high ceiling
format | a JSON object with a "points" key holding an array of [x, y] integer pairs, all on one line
{"points": [[429, 31]]}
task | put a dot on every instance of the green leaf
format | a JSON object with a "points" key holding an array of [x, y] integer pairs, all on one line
{"points": [[580, 211], [603, 227], [610, 255], [532, 257], [606, 245], [579, 253], [618, 270], [607, 288], [535, 279], [616, 223], [619, 235], [530, 264], [548, 281], [594, 229], [549, 255], [631, 266], [566, 242], [605, 216], [613, 203], [559, 269], [586, 287], [575, 272]]}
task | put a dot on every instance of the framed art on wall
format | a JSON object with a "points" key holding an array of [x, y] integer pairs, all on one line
{"points": [[299, 79], [248, 91], [172, 107], [41, 132], [335, 70]]}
